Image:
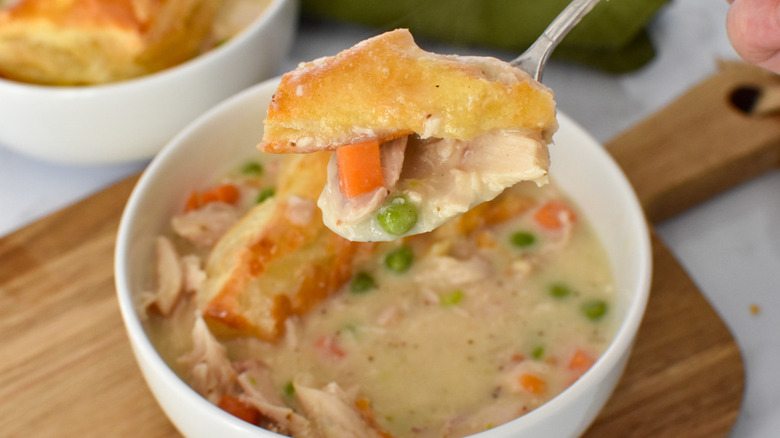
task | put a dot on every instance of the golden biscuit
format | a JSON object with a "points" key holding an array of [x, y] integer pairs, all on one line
{"points": [[81, 42], [387, 87]]}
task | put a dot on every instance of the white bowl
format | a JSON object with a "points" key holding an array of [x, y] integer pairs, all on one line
{"points": [[224, 136], [134, 119]]}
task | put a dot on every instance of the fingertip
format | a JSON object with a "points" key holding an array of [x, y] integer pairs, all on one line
{"points": [[753, 28]]}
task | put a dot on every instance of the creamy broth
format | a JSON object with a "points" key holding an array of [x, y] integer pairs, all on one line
{"points": [[482, 324]]}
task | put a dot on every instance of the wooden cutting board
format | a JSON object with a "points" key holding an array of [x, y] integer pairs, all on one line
{"points": [[66, 368]]}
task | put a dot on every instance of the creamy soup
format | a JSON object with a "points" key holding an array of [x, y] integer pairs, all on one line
{"points": [[443, 334]]}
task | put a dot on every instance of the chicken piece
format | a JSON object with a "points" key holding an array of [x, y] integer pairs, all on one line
{"points": [[170, 279], [259, 392], [84, 42], [193, 275], [333, 413], [470, 127], [277, 261], [444, 272], [204, 226], [441, 178], [211, 372]]}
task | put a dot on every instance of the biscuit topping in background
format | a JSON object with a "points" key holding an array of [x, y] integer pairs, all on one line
{"points": [[85, 42]]}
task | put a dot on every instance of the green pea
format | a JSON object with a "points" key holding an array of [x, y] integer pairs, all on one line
{"points": [[265, 194], [538, 352], [595, 309], [399, 259], [289, 389], [397, 216], [452, 298], [349, 328], [522, 239], [559, 290], [362, 283], [252, 168]]}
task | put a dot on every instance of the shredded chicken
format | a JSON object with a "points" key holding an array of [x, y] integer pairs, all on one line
{"points": [[392, 158], [447, 272], [522, 266], [211, 372], [193, 274], [333, 412], [442, 177], [259, 391], [204, 226], [175, 276], [170, 278], [300, 211]]}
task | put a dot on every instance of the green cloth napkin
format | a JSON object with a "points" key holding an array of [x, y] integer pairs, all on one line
{"points": [[612, 37]]}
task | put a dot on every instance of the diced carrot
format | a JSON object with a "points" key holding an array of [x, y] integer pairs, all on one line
{"points": [[227, 193], [532, 383], [193, 202], [236, 407], [553, 214], [517, 357], [581, 361], [359, 168]]}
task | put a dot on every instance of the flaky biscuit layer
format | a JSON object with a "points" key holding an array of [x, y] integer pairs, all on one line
{"points": [[386, 87]]}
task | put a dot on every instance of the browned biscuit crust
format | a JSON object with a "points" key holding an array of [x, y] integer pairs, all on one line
{"points": [[386, 87], [82, 42]]}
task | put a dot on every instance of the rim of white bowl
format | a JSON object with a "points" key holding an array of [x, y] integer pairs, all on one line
{"points": [[169, 74], [622, 340]]}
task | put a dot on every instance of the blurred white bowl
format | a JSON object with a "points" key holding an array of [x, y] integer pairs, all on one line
{"points": [[133, 119], [226, 135]]}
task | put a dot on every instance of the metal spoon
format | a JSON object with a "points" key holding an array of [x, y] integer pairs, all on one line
{"points": [[535, 57]]}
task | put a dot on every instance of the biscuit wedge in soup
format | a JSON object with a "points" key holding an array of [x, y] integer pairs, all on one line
{"points": [[278, 261], [419, 137]]}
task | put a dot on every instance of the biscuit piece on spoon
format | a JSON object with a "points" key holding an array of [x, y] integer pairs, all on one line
{"points": [[419, 137]]}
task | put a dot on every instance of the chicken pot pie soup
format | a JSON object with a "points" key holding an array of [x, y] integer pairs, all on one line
{"points": [[419, 137], [280, 321]]}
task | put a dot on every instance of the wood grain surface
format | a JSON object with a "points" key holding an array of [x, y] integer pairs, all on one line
{"points": [[66, 368]]}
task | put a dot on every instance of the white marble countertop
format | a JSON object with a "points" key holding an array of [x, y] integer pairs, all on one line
{"points": [[730, 245]]}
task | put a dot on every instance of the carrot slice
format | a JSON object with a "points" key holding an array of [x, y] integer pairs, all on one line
{"points": [[193, 202], [359, 168], [227, 193], [236, 407], [581, 361], [532, 384], [554, 214]]}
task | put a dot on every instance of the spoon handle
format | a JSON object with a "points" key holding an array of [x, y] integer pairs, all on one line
{"points": [[535, 57]]}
